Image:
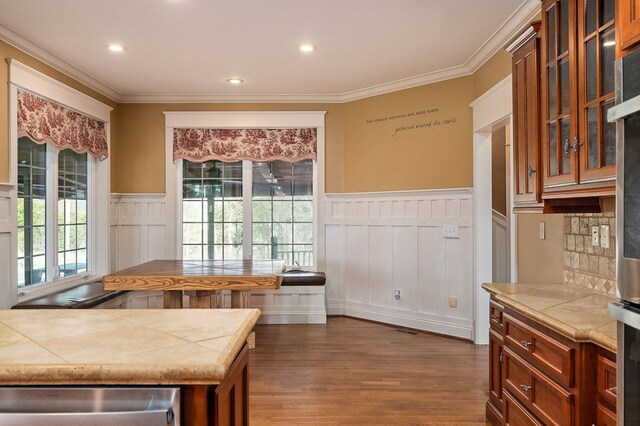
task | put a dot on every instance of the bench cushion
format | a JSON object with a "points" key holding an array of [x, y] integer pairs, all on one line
{"points": [[303, 278], [84, 296]]}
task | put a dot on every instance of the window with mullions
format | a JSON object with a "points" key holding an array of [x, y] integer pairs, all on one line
{"points": [[279, 204], [282, 204], [212, 210], [32, 212], [72, 213], [36, 241]]}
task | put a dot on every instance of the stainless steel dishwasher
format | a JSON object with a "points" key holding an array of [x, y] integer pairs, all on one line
{"points": [[96, 406]]}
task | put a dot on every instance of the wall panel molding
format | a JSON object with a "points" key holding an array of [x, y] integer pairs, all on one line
{"points": [[8, 246], [378, 243]]}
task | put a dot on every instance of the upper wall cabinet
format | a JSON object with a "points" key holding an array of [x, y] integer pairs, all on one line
{"points": [[577, 89], [526, 117], [628, 24]]}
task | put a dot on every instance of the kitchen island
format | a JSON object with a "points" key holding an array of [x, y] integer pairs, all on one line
{"points": [[201, 351]]}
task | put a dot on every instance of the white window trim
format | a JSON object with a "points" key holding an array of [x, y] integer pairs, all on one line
{"points": [[24, 77], [234, 120]]}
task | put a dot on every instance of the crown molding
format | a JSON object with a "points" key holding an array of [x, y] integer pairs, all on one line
{"points": [[16, 40], [515, 24], [510, 29]]}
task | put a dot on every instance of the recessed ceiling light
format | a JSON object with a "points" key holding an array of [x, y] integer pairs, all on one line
{"points": [[116, 48], [235, 80], [307, 48], [609, 43]]}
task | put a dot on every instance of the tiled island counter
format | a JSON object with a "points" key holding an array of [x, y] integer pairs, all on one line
{"points": [[201, 351], [552, 356]]}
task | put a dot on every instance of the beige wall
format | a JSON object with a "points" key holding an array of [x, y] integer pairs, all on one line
{"points": [[140, 154], [418, 138], [491, 72], [9, 52], [499, 171], [540, 261]]}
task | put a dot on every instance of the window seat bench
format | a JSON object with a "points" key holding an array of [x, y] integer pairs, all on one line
{"points": [[83, 296], [299, 300]]}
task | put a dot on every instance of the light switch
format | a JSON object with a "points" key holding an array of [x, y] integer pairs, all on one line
{"points": [[451, 231], [595, 236], [453, 301]]}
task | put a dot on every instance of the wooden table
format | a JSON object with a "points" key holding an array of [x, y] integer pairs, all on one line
{"points": [[200, 280]]}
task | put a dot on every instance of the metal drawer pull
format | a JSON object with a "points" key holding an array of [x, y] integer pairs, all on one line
{"points": [[525, 343], [614, 390], [495, 317], [525, 388]]}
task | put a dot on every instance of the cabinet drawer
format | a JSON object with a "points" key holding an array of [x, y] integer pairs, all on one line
{"points": [[496, 313], [606, 381], [605, 417], [516, 415], [549, 401], [549, 355]]}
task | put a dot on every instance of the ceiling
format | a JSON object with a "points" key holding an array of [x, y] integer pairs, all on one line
{"points": [[184, 50]]}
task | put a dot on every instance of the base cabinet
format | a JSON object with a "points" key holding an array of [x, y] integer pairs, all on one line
{"points": [[226, 404], [539, 377]]}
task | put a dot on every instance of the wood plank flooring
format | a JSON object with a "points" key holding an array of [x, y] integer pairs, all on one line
{"points": [[353, 372]]}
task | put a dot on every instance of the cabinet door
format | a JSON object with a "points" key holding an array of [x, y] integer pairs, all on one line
{"points": [[596, 47], [495, 369], [628, 12], [526, 86], [559, 89]]}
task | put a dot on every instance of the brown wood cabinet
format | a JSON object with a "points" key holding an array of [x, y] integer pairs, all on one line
{"points": [[539, 377], [526, 117], [577, 89], [628, 24]]}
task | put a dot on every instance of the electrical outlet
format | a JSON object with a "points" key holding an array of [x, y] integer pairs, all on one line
{"points": [[397, 294], [595, 236], [451, 231], [604, 236], [453, 301], [541, 231]]}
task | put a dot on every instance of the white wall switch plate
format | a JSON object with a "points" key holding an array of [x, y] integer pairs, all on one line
{"points": [[451, 231], [595, 236], [541, 231], [604, 236]]}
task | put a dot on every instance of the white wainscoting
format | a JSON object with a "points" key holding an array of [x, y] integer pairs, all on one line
{"points": [[138, 229], [379, 242], [8, 292], [500, 247]]}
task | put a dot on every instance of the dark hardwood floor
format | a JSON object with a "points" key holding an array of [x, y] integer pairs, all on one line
{"points": [[353, 372]]}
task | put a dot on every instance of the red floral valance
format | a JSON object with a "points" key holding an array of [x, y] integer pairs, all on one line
{"points": [[44, 121], [228, 145]]}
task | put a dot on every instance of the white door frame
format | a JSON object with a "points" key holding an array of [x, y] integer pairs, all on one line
{"points": [[491, 111]]}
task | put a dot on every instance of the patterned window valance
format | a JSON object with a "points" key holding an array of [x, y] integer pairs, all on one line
{"points": [[44, 121], [201, 145]]}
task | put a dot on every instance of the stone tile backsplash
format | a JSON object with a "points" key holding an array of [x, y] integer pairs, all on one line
{"points": [[586, 265]]}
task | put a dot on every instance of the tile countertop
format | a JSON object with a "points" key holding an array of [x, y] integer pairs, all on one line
{"points": [[121, 346], [576, 313]]}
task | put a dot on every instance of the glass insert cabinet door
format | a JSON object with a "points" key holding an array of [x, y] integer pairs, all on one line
{"points": [[559, 88], [578, 54], [596, 45]]}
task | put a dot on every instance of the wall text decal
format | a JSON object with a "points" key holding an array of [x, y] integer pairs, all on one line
{"points": [[415, 125]]}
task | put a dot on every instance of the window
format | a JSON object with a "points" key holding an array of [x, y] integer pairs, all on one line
{"points": [[38, 224], [275, 197]]}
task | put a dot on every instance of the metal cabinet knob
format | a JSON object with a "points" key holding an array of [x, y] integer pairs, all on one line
{"points": [[614, 390], [525, 344], [495, 317], [576, 145], [530, 171], [525, 388]]}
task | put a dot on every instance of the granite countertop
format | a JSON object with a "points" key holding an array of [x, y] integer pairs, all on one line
{"points": [[577, 313], [121, 346]]}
